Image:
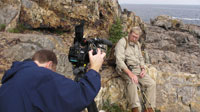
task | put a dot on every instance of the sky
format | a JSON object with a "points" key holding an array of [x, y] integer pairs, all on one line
{"points": [[175, 2]]}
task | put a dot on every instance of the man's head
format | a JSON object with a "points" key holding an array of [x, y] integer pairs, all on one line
{"points": [[134, 34], [45, 58]]}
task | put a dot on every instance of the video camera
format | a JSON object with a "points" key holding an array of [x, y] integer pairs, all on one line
{"points": [[78, 53]]}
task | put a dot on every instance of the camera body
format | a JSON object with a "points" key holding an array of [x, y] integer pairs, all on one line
{"points": [[78, 53]]}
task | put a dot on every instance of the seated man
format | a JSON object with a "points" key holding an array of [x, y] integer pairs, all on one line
{"points": [[34, 86], [130, 63]]}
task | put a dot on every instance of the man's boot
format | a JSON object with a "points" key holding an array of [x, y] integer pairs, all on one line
{"points": [[135, 109], [148, 110]]}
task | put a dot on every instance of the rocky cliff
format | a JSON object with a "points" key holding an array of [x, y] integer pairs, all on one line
{"points": [[171, 48]]}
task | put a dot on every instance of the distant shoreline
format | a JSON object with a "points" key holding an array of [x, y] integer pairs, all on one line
{"points": [[189, 14]]}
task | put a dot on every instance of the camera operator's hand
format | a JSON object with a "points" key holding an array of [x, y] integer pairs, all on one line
{"points": [[96, 60]]}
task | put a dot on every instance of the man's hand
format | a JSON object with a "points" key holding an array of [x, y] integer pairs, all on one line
{"points": [[96, 61], [142, 73], [134, 78]]}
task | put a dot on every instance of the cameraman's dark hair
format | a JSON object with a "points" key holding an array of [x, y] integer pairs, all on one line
{"points": [[43, 56]]}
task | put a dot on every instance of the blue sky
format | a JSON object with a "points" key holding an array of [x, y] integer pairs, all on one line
{"points": [[185, 2]]}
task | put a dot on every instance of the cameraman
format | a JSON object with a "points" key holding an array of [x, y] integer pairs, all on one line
{"points": [[34, 86]]}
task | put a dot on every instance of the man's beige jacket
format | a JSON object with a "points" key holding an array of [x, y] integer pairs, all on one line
{"points": [[130, 56]]}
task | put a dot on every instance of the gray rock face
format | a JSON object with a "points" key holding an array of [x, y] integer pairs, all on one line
{"points": [[177, 92], [17, 47], [173, 51], [9, 12], [194, 30]]}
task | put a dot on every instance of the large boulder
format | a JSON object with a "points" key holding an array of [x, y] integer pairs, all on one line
{"points": [[65, 14], [167, 22], [61, 14]]}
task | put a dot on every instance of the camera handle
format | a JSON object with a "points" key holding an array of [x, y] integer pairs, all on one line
{"points": [[79, 73]]}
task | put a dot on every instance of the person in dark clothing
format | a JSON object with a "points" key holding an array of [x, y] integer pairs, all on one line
{"points": [[34, 86]]}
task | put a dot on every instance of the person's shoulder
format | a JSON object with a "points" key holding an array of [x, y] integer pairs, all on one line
{"points": [[44, 70], [50, 73], [38, 71], [122, 40]]}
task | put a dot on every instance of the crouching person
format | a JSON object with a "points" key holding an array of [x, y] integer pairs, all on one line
{"points": [[34, 86]]}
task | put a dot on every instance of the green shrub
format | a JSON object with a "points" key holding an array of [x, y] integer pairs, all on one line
{"points": [[2, 27], [108, 107], [116, 31], [20, 28], [14, 30]]}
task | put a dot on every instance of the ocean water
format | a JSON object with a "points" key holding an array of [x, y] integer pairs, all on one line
{"points": [[189, 14]]}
